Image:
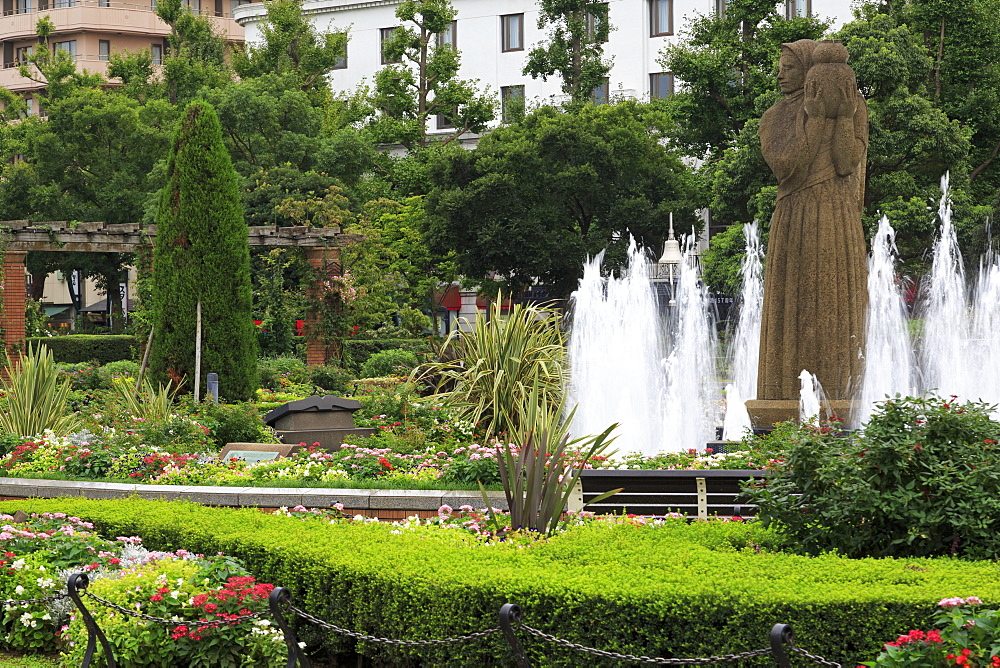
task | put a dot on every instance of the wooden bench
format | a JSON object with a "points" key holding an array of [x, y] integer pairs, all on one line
{"points": [[694, 494]]}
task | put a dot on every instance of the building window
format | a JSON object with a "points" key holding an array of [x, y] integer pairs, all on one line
{"points": [[511, 103], [592, 25], [447, 121], [68, 47], [59, 4], [29, 104], [661, 16], [104, 49], [22, 54], [512, 29], [449, 36], [797, 8], [720, 8], [602, 93], [24, 7], [661, 84], [341, 62], [156, 51], [384, 35]]}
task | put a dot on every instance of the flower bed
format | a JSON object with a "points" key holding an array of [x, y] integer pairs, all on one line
{"points": [[664, 588]]}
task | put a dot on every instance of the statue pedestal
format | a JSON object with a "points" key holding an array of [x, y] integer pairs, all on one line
{"points": [[765, 413]]}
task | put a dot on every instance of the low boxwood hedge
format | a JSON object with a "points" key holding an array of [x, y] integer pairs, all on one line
{"points": [[672, 591], [76, 348]]}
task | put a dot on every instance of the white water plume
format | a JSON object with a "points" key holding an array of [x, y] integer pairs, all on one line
{"points": [[615, 348], [746, 342], [889, 359], [692, 390], [944, 355]]}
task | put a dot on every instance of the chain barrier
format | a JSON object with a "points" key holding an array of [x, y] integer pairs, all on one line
{"points": [[815, 659], [231, 621], [509, 616], [605, 654], [25, 602], [391, 641]]}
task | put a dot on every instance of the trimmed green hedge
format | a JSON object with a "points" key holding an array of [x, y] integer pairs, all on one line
{"points": [[76, 348], [357, 351], [679, 590]]}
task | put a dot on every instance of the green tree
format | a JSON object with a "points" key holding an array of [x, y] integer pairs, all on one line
{"points": [[535, 198], [197, 57], [290, 44], [578, 30], [424, 83], [202, 255]]}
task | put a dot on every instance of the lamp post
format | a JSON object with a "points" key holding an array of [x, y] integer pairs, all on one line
{"points": [[667, 268]]}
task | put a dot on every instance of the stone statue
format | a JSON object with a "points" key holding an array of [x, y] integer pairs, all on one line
{"points": [[815, 284]]}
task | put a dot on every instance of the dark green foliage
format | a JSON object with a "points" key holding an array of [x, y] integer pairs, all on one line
{"points": [[922, 480], [357, 351], [392, 362], [535, 198], [276, 372], [202, 254], [76, 348], [574, 51], [231, 423], [331, 378], [678, 590]]}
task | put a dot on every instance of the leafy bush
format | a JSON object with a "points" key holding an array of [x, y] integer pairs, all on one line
{"points": [[99, 348], [331, 378], [357, 351], [232, 423], [672, 589], [922, 480], [393, 362], [278, 372]]}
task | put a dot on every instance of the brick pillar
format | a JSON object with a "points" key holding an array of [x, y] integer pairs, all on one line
{"points": [[14, 300], [325, 263]]}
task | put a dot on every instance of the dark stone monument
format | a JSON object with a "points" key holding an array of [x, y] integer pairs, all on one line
{"points": [[815, 141], [324, 420]]}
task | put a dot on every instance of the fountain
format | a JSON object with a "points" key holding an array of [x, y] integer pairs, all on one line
{"points": [[666, 360]]}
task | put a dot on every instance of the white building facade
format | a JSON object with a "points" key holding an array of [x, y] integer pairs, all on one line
{"points": [[495, 36]]}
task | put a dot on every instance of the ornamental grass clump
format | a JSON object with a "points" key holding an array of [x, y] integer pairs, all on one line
{"points": [[37, 396], [498, 364], [921, 480]]}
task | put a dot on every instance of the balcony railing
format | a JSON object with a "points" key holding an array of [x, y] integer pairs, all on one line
{"points": [[67, 4]]}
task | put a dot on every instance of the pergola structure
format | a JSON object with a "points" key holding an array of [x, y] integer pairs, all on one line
{"points": [[322, 246]]}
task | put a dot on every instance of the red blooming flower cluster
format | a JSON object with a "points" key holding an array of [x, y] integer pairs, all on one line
{"points": [[916, 635], [224, 607]]}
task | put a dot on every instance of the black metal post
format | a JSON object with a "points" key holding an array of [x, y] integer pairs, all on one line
{"points": [[781, 634], [278, 597], [76, 583], [510, 613]]}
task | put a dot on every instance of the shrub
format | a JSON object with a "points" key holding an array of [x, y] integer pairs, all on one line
{"points": [[393, 362], [922, 480], [232, 423], [671, 590], [77, 348], [357, 351], [331, 378], [279, 372]]}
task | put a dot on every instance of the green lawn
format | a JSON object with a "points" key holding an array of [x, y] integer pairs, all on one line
{"points": [[12, 660]]}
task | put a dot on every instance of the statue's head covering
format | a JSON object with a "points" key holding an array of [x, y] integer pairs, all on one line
{"points": [[802, 49]]}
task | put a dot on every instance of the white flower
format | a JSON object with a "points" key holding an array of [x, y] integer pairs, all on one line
{"points": [[18, 589], [26, 619]]}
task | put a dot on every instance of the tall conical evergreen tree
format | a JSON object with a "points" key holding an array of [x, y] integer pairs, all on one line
{"points": [[201, 253]]}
